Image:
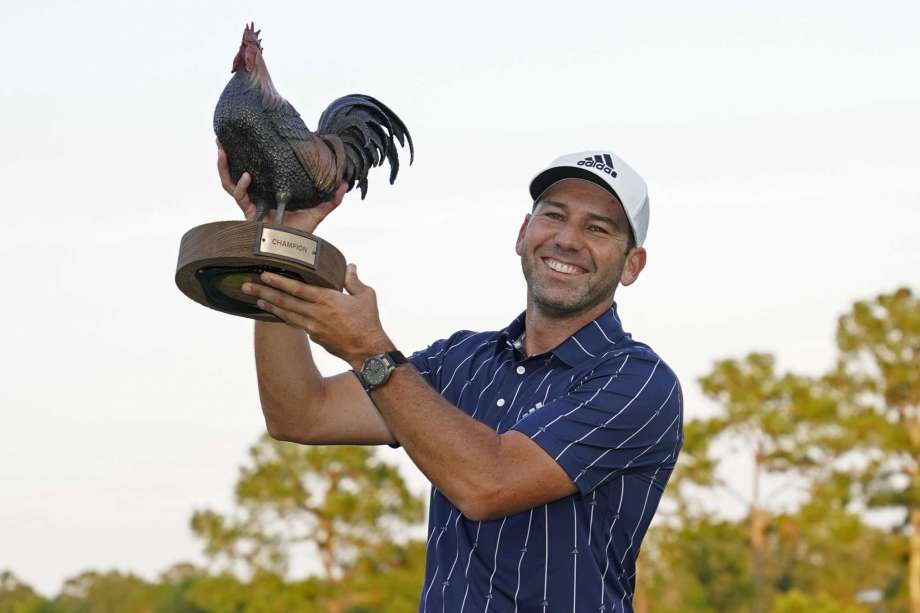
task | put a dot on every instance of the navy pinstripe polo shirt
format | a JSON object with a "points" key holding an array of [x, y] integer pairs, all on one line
{"points": [[609, 411]]}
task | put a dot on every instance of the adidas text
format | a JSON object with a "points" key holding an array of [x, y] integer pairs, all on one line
{"points": [[604, 163]]}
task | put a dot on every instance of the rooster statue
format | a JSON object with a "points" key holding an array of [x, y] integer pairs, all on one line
{"points": [[291, 167]]}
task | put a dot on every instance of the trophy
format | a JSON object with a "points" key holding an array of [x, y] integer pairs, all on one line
{"points": [[292, 168]]}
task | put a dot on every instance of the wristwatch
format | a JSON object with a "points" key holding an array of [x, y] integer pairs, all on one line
{"points": [[377, 369]]}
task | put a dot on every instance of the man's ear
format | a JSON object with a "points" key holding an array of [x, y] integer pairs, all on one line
{"points": [[521, 232], [635, 262]]}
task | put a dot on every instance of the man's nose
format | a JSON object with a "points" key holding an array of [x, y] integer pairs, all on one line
{"points": [[569, 237]]}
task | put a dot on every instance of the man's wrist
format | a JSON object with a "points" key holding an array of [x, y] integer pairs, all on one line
{"points": [[357, 363]]}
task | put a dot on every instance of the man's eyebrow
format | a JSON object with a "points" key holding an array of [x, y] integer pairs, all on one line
{"points": [[594, 216], [554, 203], [609, 220]]}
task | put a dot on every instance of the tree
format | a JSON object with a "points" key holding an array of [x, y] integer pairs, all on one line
{"points": [[387, 579], [800, 602], [263, 593], [821, 557], [878, 379], [699, 564], [341, 501], [824, 548], [16, 596], [778, 418], [110, 592]]}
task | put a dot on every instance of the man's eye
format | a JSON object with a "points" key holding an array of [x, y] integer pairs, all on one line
{"points": [[553, 215], [598, 229]]}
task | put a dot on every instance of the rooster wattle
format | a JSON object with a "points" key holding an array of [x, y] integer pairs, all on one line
{"points": [[291, 167]]}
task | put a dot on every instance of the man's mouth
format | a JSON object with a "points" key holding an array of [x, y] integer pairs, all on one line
{"points": [[563, 267]]}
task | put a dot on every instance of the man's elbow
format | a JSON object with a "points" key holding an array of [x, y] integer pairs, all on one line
{"points": [[276, 430], [286, 434], [484, 514], [483, 505]]}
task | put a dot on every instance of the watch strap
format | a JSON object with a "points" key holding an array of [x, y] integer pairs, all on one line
{"points": [[396, 357]]}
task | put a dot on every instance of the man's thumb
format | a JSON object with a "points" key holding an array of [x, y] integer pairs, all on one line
{"points": [[352, 283]]}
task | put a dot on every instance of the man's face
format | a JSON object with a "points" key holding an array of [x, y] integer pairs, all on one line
{"points": [[573, 249]]}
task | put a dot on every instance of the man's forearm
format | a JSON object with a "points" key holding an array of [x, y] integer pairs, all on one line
{"points": [[289, 381], [458, 454]]}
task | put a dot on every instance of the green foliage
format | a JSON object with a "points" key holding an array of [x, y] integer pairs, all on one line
{"points": [[878, 383], [852, 435], [799, 602], [878, 378], [700, 565], [16, 596], [824, 548], [263, 593], [341, 500], [384, 580], [387, 579], [109, 592], [777, 416]]}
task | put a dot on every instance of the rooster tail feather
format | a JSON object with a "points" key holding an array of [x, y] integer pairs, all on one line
{"points": [[369, 131]]}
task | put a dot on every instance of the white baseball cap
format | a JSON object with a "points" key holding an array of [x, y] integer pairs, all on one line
{"points": [[608, 171]]}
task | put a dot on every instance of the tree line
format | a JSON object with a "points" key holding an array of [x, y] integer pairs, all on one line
{"points": [[846, 441]]}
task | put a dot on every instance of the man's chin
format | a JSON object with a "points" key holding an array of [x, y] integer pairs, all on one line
{"points": [[561, 304], [559, 307]]}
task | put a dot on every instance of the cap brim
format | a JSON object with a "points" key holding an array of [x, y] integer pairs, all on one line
{"points": [[550, 176]]}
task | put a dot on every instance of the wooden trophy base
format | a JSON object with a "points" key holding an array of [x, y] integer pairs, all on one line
{"points": [[215, 259]]}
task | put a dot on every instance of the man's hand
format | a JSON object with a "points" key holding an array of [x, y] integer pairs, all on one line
{"points": [[306, 219], [346, 325]]}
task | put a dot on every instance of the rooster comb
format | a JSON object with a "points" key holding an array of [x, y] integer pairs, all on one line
{"points": [[251, 35]]}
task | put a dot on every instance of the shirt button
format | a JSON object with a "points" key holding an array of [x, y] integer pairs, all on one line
{"points": [[501, 402], [520, 370]]}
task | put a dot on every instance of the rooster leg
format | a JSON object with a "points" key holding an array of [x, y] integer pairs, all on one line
{"points": [[261, 210], [282, 199]]}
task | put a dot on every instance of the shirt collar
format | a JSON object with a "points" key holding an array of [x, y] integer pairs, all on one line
{"points": [[592, 340]]}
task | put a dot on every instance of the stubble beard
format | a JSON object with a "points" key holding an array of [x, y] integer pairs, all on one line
{"points": [[558, 304]]}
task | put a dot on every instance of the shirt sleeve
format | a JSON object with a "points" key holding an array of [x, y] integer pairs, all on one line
{"points": [[625, 415], [429, 362]]}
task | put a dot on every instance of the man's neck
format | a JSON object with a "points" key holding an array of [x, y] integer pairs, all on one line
{"points": [[543, 332]]}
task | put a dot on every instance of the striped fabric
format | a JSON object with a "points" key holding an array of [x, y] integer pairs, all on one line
{"points": [[609, 411]]}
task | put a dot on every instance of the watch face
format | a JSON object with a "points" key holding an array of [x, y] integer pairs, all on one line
{"points": [[374, 371]]}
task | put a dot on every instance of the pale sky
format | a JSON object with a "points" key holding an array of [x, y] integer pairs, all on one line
{"points": [[779, 142]]}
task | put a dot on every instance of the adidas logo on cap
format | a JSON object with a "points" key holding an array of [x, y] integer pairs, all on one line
{"points": [[601, 162]]}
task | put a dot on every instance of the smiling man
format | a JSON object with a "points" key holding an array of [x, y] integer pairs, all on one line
{"points": [[548, 443]]}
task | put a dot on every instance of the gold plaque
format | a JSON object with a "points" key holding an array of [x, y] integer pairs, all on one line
{"points": [[287, 244]]}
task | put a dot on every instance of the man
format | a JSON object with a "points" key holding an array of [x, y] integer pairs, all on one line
{"points": [[548, 443]]}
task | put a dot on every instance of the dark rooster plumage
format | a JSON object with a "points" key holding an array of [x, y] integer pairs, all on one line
{"points": [[293, 168]]}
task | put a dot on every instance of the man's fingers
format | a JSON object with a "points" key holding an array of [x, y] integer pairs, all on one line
{"points": [[289, 317], [324, 208], [353, 284], [239, 192], [278, 298], [238, 189], [340, 193], [309, 293], [223, 169]]}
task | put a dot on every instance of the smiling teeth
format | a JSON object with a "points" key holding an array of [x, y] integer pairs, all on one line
{"points": [[560, 267]]}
